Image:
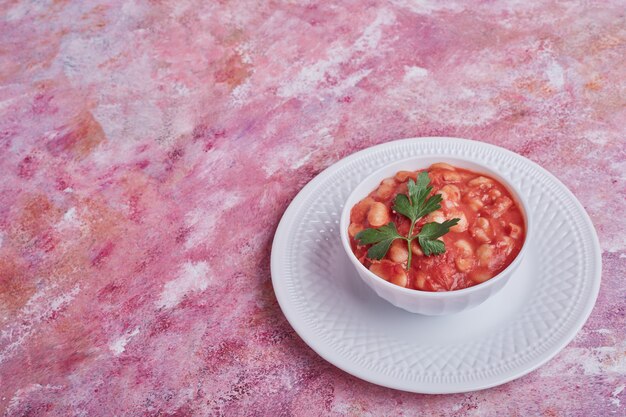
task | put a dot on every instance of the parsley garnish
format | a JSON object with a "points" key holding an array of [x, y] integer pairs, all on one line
{"points": [[428, 236], [414, 206], [383, 236]]}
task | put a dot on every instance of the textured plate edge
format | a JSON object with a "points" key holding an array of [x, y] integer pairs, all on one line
{"points": [[328, 354]]}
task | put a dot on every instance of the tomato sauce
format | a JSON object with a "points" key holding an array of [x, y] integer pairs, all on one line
{"points": [[486, 240]]}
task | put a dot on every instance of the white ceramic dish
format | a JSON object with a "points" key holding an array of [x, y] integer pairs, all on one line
{"points": [[529, 321], [424, 302]]}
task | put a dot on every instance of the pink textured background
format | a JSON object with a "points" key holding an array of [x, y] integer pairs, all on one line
{"points": [[148, 150]]}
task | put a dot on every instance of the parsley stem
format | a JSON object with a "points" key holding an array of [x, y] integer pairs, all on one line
{"points": [[408, 242]]}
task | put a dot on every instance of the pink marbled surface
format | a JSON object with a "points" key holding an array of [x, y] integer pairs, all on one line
{"points": [[149, 149]]}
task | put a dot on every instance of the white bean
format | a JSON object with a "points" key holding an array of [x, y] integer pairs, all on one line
{"points": [[391, 272], [480, 276], [461, 226], [436, 216], [480, 235], [359, 212], [399, 277], [416, 249], [386, 189], [402, 176], [378, 215], [399, 252], [378, 269], [475, 204], [507, 244], [480, 230], [451, 176], [442, 165], [449, 204], [465, 248], [354, 228], [420, 280], [450, 192], [480, 181], [516, 231], [484, 254], [501, 206], [495, 194], [483, 223], [464, 264]]}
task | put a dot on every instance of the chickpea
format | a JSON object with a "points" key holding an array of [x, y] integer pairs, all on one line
{"points": [[450, 176], [399, 252], [465, 248], [516, 231], [415, 248], [480, 182], [461, 226], [464, 264], [442, 165], [354, 228], [450, 192], [378, 215], [484, 254], [403, 176]]}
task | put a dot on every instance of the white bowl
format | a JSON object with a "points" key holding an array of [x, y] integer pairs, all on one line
{"points": [[426, 302]]}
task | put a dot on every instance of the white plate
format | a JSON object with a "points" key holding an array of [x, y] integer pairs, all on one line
{"points": [[537, 314]]}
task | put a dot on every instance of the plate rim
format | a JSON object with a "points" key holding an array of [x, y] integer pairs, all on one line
{"points": [[330, 355]]}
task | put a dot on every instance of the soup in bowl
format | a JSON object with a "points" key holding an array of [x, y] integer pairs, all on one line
{"points": [[435, 235]]}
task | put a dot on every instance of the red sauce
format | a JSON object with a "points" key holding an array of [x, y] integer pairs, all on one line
{"points": [[486, 240]]}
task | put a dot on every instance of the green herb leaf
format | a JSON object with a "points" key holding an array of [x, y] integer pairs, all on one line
{"points": [[429, 234], [420, 190], [417, 204], [413, 205], [403, 206], [430, 205], [372, 235], [432, 247], [379, 250], [382, 237]]}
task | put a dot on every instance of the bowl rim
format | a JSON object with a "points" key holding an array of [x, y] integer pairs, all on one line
{"points": [[518, 197]]}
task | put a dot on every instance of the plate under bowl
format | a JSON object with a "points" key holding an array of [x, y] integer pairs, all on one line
{"points": [[509, 335]]}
